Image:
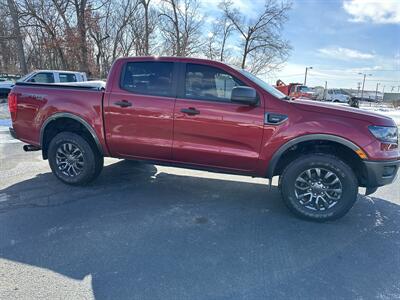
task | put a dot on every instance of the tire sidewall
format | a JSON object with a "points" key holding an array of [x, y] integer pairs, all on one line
{"points": [[330, 163], [89, 158]]}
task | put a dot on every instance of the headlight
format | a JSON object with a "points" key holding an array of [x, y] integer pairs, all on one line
{"points": [[385, 134]]}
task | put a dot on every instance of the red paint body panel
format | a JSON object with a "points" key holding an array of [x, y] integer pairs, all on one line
{"points": [[36, 105], [223, 135], [226, 136], [144, 130]]}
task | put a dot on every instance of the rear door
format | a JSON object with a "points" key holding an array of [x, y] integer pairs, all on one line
{"points": [[209, 129], [139, 113]]}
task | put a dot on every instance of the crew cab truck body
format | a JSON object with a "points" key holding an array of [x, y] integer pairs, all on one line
{"points": [[207, 115]]}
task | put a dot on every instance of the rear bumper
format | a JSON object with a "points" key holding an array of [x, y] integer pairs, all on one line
{"points": [[379, 173]]}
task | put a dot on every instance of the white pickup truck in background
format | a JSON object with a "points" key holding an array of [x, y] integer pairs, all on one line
{"points": [[336, 95], [44, 76]]}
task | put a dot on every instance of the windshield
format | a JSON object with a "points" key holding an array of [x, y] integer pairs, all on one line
{"points": [[269, 88], [23, 78], [304, 89]]}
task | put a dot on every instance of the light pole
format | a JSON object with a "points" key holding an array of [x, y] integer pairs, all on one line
{"points": [[362, 90], [305, 76], [376, 92]]}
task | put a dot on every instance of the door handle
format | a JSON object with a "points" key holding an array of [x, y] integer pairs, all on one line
{"points": [[191, 111], [123, 103]]}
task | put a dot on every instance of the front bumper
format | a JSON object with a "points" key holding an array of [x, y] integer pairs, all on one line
{"points": [[379, 173]]}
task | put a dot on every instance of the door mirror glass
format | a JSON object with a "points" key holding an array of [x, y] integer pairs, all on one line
{"points": [[244, 95]]}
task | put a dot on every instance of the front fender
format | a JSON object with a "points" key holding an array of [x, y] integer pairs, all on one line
{"points": [[304, 138]]}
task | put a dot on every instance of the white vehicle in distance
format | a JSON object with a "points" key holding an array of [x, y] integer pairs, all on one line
{"points": [[44, 76], [53, 76], [336, 95]]}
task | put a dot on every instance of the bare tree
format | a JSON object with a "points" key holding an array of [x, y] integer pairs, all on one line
{"points": [[17, 35], [142, 28], [262, 43], [145, 4], [181, 25], [89, 35], [99, 32], [226, 28], [211, 45], [43, 15], [81, 11], [218, 37]]}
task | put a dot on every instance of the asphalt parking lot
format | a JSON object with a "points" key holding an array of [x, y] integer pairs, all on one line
{"points": [[150, 232]]}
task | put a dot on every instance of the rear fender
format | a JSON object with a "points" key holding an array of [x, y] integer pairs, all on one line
{"points": [[73, 117]]}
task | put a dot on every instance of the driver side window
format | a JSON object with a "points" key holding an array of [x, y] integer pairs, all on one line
{"points": [[209, 83]]}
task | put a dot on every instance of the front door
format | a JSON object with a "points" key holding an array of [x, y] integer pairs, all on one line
{"points": [[210, 130], [139, 115]]}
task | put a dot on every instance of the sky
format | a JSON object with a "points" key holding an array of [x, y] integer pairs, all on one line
{"points": [[338, 39]]}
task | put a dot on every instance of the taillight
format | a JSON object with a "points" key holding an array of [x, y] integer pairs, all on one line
{"points": [[12, 105]]}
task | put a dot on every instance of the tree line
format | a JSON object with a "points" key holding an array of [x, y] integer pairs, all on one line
{"points": [[88, 35]]}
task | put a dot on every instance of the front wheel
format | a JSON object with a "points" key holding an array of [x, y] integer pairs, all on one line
{"points": [[73, 159], [319, 187]]}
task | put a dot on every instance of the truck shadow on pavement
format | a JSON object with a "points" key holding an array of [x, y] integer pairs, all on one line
{"points": [[140, 234]]}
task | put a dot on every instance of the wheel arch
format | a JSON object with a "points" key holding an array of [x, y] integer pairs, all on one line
{"points": [[271, 169], [64, 115]]}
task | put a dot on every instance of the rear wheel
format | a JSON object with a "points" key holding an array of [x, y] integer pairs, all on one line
{"points": [[73, 159], [319, 187]]}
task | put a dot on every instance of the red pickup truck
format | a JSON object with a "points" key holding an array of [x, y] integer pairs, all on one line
{"points": [[204, 114]]}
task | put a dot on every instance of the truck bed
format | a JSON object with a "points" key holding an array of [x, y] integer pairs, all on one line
{"points": [[96, 85], [38, 102]]}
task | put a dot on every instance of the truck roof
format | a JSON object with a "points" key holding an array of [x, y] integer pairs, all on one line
{"points": [[58, 71], [176, 59]]}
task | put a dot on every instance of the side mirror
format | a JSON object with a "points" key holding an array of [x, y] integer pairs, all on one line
{"points": [[244, 95]]}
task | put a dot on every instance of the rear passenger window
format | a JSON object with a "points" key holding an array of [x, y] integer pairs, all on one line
{"points": [[149, 78], [67, 77], [42, 78], [209, 83]]}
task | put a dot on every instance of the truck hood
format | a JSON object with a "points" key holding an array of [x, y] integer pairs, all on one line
{"points": [[6, 84], [344, 112]]}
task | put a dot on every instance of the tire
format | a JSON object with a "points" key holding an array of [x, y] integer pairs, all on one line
{"points": [[73, 159], [316, 197]]}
